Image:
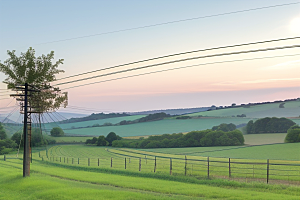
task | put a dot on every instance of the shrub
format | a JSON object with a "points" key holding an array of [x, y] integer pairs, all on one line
{"points": [[293, 135], [57, 132]]}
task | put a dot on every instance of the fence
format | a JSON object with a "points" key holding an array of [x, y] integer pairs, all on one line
{"points": [[266, 170]]}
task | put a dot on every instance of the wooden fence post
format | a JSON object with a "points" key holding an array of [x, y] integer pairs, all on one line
{"points": [[185, 164], [229, 167], [64, 159], [78, 161], [42, 158], [72, 161], [111, 162], [170, 166], [59, 159], [207, 167], [140, 164], [154, 164], [89, 162], [39, 154], [146, 159], [68, 160], [98, 162], [268, 168], [125, 162], [4, 157]]}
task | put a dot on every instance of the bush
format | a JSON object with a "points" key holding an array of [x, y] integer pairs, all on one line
{"points": [[293, 134], [269, 125], [203, 138], [57, 132]]}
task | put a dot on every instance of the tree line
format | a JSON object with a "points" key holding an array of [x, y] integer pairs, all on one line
{"points": [[94, 116], [204, 138], [8, 145], [103, 141], [269, 125]]}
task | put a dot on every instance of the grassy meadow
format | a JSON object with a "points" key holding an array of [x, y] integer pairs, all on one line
{"points": [[157, 127], [291, 109], [92, 122], [53, 180]]}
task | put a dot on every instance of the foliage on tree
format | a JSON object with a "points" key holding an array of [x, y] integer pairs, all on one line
{"points": [[3, 134], [293, 134], [111, 137], [96, 116], [203, 138], [6, 146], [102, 141], [38, 72], [57, 132], [269, 125], [224, 127], [183, 117], [36, 138], [154, 117]]}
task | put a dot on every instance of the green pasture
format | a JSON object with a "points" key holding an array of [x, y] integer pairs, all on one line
{"points": [[246, 162], [70, 140], [286, 151], [291, 109], [114, 120], [157, 127], [54, 180], [264, 138]]}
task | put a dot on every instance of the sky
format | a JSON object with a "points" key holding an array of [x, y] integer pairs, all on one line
{"points": [[92, 35]]}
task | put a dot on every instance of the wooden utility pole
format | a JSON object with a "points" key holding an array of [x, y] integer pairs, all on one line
{"points": [[26, 110], [27, 140]]}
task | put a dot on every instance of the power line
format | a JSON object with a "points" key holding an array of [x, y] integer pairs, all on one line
{"points": [[182, 53], [180, 68], [180, 60], [171, 22]]}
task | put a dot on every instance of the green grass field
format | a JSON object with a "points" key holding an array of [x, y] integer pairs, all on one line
{"points": [[92, 122], [291, 109], [60, 181], [287, 151], [246, 162], [72, 139], [157, 127]]}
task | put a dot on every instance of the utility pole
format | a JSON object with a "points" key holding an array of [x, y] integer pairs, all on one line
{"points": [[27, 140], [25, 108]]}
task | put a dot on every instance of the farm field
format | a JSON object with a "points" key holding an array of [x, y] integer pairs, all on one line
{"points": [[59, 181], [291, 109], [157, 127], [245, 162], [267, 138], [72, 139], [92, 122], [287, 151]]}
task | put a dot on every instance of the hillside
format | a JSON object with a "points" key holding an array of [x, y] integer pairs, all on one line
{"points": [[291, 109], [178, 111]]}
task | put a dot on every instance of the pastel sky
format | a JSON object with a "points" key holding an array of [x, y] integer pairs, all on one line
{"points": [[47, 26]]}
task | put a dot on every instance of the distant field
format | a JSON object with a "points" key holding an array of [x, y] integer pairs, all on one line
{"points": [[273, 151], [92, 122], [291, 109], [69, 139], [267, 138], [157, 127]]}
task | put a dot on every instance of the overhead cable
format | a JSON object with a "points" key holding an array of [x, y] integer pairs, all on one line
{"points": [[154, 72], [182, 53], [171, 22], [180, 60]]}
